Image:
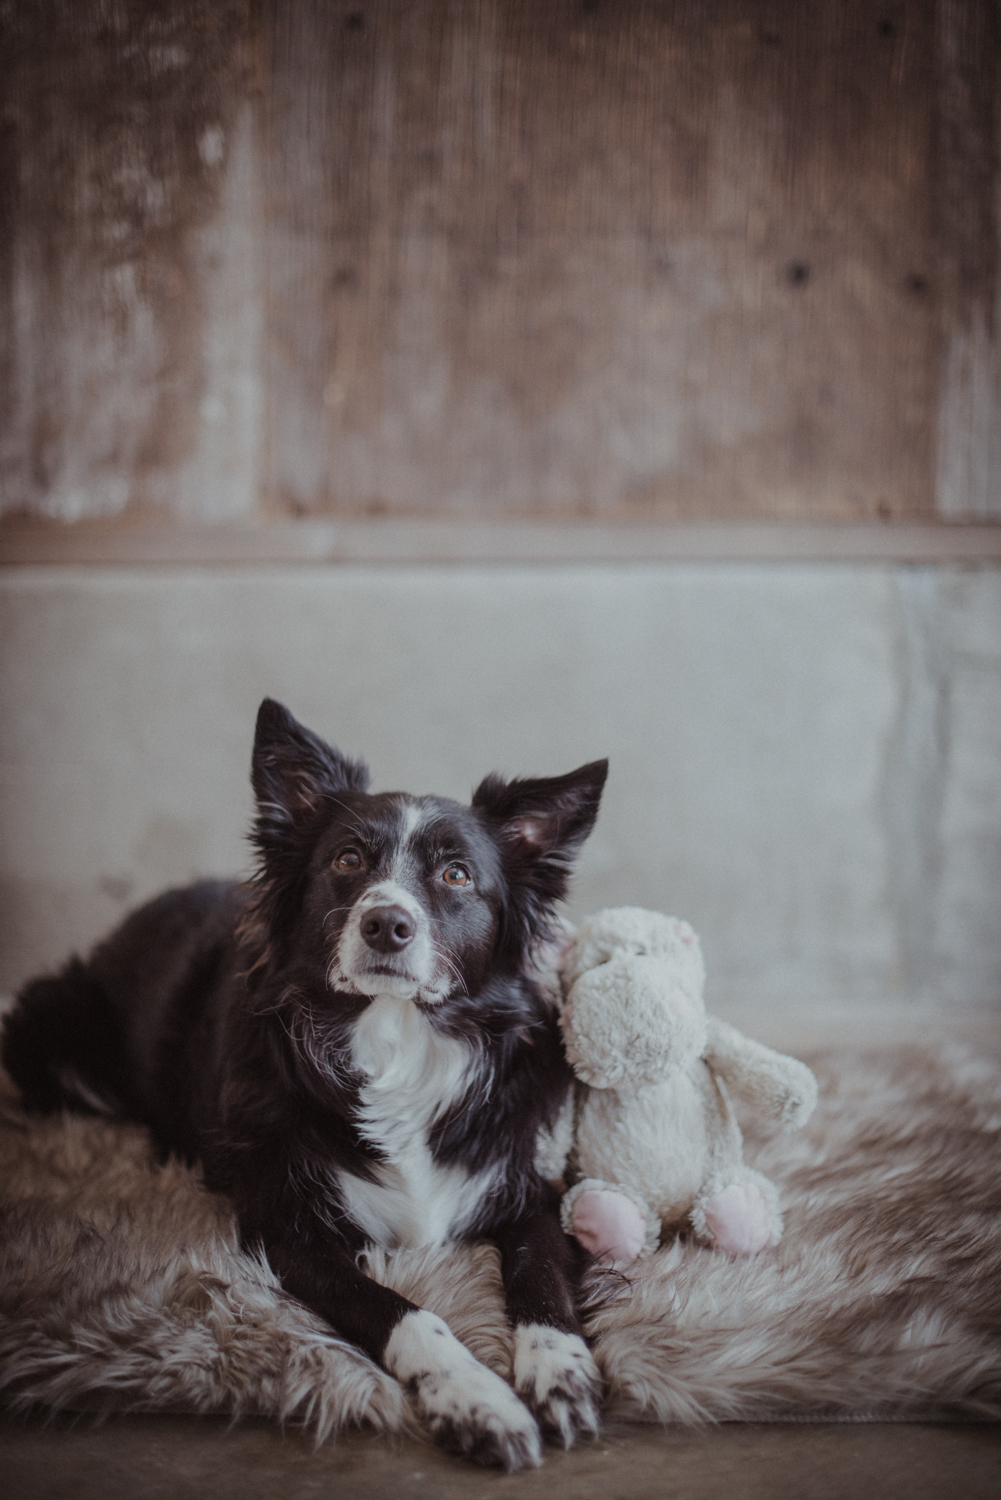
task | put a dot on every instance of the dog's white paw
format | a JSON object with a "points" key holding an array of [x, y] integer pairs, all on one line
{"points": [[465, 1406], [556, 1376]]}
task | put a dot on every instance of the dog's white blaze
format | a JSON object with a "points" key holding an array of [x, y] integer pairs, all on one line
{"points": [[414, 816], [423, 973], [452, 1388], [412, 1074]]}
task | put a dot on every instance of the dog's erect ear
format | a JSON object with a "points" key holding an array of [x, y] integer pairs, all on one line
{"points": [[540, 825], [293, 770]]}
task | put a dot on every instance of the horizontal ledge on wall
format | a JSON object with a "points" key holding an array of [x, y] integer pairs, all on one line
{"points": [[442, 541]]}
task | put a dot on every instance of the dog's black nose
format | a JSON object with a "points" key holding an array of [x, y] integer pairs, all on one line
{"points": [[387, 929]]}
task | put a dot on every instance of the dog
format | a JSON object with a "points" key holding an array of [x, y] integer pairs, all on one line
{"points": [[356, 1046]]}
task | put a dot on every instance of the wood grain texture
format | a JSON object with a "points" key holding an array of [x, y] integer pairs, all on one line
{"points": [[411, 540], [601, 260], [616, 260], [116, 122], [968, 215]]}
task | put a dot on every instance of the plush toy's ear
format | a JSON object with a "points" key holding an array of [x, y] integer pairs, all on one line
{"points": [[539, 825], [292, 771]]}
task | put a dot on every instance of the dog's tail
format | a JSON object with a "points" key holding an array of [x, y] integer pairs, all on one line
{"points": [[62, 1044]]}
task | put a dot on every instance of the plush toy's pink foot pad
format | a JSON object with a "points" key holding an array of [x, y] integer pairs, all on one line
{"points": [[609, 1225], [738, 1219]]}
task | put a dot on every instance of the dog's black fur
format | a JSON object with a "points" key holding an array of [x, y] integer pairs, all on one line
{"points": [[231, 1019]]}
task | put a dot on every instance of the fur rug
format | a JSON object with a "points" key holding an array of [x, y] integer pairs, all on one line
{"points": [[122, 1287]]}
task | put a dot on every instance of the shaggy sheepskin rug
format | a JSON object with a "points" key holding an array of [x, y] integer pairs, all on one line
{"points": [[122, 1286]]}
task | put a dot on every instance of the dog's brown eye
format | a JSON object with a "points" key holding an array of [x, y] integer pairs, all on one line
{"points": [[455, 875], [348, 859]]}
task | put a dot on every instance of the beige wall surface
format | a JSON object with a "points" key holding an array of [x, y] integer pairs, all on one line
{"points": [[613, 259], [805, 761]]}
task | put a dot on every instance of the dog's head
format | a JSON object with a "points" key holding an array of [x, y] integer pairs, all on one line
{"points": [[392, 894]]}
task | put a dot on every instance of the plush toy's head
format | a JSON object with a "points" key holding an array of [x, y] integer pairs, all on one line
{"points": [[631, 929], [634, 1010]]}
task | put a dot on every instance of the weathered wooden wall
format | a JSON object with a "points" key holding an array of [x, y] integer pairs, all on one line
{"points": [[114, 165], [608, 258]]}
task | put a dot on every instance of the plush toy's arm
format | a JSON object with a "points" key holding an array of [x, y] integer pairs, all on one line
{"points": [[778, 1087]]}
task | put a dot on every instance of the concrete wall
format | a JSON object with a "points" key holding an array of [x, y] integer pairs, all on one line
{"points": [[805, 760]]}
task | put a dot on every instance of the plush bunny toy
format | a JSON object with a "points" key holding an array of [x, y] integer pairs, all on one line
{"points": [[654, 1143]]}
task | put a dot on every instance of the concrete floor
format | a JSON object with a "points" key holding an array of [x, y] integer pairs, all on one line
{"points": [[188, 1458]]}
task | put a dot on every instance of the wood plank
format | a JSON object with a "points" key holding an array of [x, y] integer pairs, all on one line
{"points": [[622, 260], [418, 542], [500, 261]]}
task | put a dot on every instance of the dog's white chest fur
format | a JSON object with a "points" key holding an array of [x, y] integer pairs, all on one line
{"points": [[413, 1074]]}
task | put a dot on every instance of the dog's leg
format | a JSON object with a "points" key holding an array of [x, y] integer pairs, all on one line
{"points": [[554, 1371], [465, 1406]]}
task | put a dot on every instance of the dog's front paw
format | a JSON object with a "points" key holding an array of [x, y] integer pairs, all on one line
{"points": [[556, 1376], [465, 1407]]}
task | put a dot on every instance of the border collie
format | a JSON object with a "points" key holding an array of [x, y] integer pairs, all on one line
{"points": [[355, 1047]]}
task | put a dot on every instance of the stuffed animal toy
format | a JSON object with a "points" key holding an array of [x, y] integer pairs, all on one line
{"points": [[652, 1143]]}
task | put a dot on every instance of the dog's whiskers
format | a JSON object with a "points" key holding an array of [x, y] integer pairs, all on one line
{"points": [[330, 913]]}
